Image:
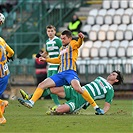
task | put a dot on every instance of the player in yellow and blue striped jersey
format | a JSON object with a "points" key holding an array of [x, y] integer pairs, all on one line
{"points": [[67, 71], [6, 54]]}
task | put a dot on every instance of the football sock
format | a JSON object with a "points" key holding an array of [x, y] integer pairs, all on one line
{"points": [[88, 98], [37, 94], [1, 115], [55, 99]]}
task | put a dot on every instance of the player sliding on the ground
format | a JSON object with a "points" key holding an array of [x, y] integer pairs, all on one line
{"points": [[100, 88]]}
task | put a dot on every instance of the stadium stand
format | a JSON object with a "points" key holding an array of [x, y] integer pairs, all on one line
{"points": [[111, 27]]}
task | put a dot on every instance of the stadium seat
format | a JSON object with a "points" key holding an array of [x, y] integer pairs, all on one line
{"points": [[101, 66], [95, 27], [94, 49], [132, 19], [82, 66], [92, 66], [117, 19], [115, 4], [129, 50], [106, 4], [17, 61], [102, 35], [121, 49], [112, 52], [123, 4], [109, 66], [105, 27], [102, 12], [103, 52], [106, 43], [99, 20], [131, 43], [119, 34], [126, 19], [127, 63], [24, 61], [121, 52], [113, 27], [97, 44], [88, 44], [120, 11], [129, 11], [118, 65], [92, 35], [108, 19], [124, 43], [128, 35], [91, 20], [93, 12], [111, 12], [86, 28], [110, 35], [85, 51], [115, 43], [130, 3], [130, 27], [122, 27]]}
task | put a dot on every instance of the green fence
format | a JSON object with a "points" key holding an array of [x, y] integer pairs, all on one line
{"points": [[24, 28]]}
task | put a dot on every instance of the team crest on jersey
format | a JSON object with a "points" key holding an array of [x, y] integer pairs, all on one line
{"points": [[101, 84]]}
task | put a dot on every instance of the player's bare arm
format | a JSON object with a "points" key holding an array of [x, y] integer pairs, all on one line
{"points": [[106, 107], [81, 35]]}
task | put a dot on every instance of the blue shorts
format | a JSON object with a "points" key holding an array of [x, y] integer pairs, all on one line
{"points": [[64, 78], [3, 83]]}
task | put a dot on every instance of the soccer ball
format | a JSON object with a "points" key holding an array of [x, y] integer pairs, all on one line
{"points": [[2, 19]]}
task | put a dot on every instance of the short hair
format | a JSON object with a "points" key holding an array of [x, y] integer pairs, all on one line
{"points": [[68, 33], [119, 77], [50, 27]]}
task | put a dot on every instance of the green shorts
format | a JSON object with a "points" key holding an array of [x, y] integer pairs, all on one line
{"points": [[74, 100]]}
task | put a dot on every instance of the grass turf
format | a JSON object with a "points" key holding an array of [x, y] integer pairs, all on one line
{"points": [[21, 119]]}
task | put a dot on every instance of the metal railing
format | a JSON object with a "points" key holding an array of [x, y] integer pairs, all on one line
{"points": [[29, 23]]}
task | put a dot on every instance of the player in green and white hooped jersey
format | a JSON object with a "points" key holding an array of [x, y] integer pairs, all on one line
{"points": [[52, 47], [100, 88]]}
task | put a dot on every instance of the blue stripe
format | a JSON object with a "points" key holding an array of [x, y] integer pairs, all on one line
{"points": [[62, 62], [70, 51], [66, 60]]}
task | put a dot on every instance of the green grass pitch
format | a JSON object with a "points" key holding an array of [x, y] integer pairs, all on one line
{"points": [[23, 120]]}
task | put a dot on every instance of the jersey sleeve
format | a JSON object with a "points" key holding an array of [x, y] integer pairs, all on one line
{"points": [[54, 60], [10, 51], [0, 52], [76, 44], [109, 96]]}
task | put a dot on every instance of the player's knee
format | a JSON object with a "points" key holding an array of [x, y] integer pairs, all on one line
{"points": [[40, 85], [53, 90]]}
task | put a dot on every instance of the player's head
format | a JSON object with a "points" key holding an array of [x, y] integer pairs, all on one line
{"points": [[119, 77], [115, 77], [2, 18], [66, 37], [51, 31]]}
